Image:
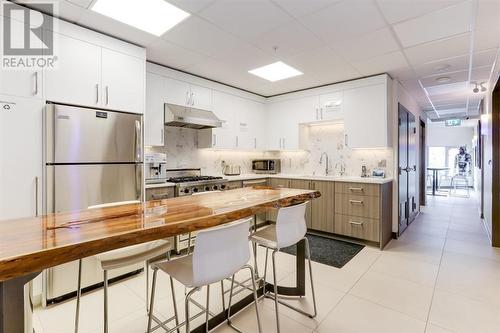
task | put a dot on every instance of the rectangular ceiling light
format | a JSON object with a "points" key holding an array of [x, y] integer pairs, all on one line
{"points": [[153, 16], [275, 72]]}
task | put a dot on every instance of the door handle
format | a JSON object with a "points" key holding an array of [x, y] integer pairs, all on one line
{"points": [[138, 141], [36, 196]]}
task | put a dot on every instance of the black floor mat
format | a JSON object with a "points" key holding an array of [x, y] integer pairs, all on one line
{"points": [[329, 251]]}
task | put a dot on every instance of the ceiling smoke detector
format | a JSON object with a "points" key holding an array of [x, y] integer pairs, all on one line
{"points": [[443, 79]]}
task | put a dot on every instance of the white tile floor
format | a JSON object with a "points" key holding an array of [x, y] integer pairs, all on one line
{"points": [[441, 276]]}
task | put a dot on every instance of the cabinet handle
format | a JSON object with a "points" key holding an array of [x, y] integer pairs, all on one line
{"points": [[36, 83], [214, 140], [357, 202], [317, 114], [255, 143], [283, 143], [162, 136], [360, 189], [359, 224], [187, 97], [321, 112], [36, 196], [346, 138], [236, 141], [192, 98], [159, 196], [97, 93], [107, 95]]}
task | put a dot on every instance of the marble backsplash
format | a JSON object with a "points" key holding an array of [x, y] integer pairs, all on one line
{"points": [[182, 152]]}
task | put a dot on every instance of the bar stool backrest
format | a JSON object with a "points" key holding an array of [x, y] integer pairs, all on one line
{"points": [[291, 225], [220, 252]]}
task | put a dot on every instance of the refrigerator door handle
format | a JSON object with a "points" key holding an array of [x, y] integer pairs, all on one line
{"points": [[138, 141], [138, 182]]}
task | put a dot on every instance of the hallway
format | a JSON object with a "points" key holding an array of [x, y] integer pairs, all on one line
{"points": [[441, 276]]}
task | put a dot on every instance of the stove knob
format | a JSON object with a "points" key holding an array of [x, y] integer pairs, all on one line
{"points": [[186, 190], [207, 188], [222, 187], [195, 190], [216, 187]]}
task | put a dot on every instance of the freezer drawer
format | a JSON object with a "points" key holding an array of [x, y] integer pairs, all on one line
{"points": [[75, 187]]}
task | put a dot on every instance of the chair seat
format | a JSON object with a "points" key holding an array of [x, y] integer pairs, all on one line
{"points": [[133, 254], [180, 269], [266, 237]]}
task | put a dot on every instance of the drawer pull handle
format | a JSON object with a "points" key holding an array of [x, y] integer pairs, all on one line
{"points": [[159, 196], [360, 189], [358, 224], [358, 202]]}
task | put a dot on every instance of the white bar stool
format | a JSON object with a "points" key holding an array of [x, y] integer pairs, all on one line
{"points": [[120, 258], [290, 228], [219, 253]]}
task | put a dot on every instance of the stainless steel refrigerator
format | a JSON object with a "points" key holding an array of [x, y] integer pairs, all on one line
{"points": [[91, 157]]}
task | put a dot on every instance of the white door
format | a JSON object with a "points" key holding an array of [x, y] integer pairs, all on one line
{"points": [[122, 82], [21, 165], [201, 97], [331, 106], [154, 116], [177, 92], [77, 76], [22, 82], [365, 110]]}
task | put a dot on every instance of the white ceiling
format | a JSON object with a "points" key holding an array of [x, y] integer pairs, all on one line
{"points": [[415, 41]]}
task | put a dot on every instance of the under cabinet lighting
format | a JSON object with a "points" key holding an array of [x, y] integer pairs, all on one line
{"points": [[276, 71], [153, 16]]}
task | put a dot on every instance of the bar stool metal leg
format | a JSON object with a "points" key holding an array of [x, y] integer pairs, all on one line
{"points": [[146, 268], [308, 253], [207, 313], [186, 306], [153, 288], [78, 295], [276, 292], [176, 313], [105, 275]]}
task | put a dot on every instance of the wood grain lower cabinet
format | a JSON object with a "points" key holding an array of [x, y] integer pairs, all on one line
{"points": [[234, 184], [322, 208], [276, 182], [304, 185], [159, 193]]}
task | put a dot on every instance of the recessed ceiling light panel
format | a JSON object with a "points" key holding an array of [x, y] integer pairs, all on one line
{"points": [[153, 16], [275, 71]]}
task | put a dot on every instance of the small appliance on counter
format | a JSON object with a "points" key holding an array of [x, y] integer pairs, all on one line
{"points": [[378, 173], [156, 168], [266, 166], [232, 170]]}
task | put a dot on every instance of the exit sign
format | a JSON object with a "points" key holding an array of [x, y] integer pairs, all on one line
{"points": [[453, 122]]}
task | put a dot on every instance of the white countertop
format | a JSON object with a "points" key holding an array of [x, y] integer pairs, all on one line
{"points": [[349, 179], [251, 176]]}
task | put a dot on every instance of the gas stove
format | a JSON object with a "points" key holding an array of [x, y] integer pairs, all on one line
{"points": [[190, 181]]}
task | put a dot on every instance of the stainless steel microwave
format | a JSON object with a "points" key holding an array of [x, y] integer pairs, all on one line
{"points": [[266, 166]]}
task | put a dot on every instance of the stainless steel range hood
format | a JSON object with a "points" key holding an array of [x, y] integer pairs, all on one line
{"points": [[184, 116]]}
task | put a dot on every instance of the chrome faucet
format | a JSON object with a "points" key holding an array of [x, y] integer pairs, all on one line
{"points": [[340, 164], [324, 154]]}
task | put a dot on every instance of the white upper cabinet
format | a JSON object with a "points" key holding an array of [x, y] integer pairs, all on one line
{"points": [[183, 93], [330, 106], [225, 137], [201, 97], [366, 117], [20, 82], [283, 120], [76, 79], [154, 116], [122, 82]]}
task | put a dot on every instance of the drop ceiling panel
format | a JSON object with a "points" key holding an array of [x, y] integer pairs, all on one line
{"points": [[435, 25], [368, 46], [290, 39], [487, 38], [343, 21], [441, 67], [246, 19], [384, 63], [481, 74], [169, 54], [191, 6], [459, 87], [434, 51], [454, 77], [485, 58], [488, 14], [298, 8], [399, 10]]}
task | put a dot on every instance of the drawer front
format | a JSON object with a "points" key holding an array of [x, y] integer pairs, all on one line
{"points": [[234, 184], [159, 193], [357, 227], [357, 188], [357, 205]]}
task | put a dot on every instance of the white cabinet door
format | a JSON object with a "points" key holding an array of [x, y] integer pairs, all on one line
{"points": [[256, 120], [274, 125], [77, 76], [365, 110], [331, 106], [200, 97], [305, 109], [225, 106], [21, 82], [153, 121], [283, 125], [122, 82], [21, 165], [177, 92]]}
